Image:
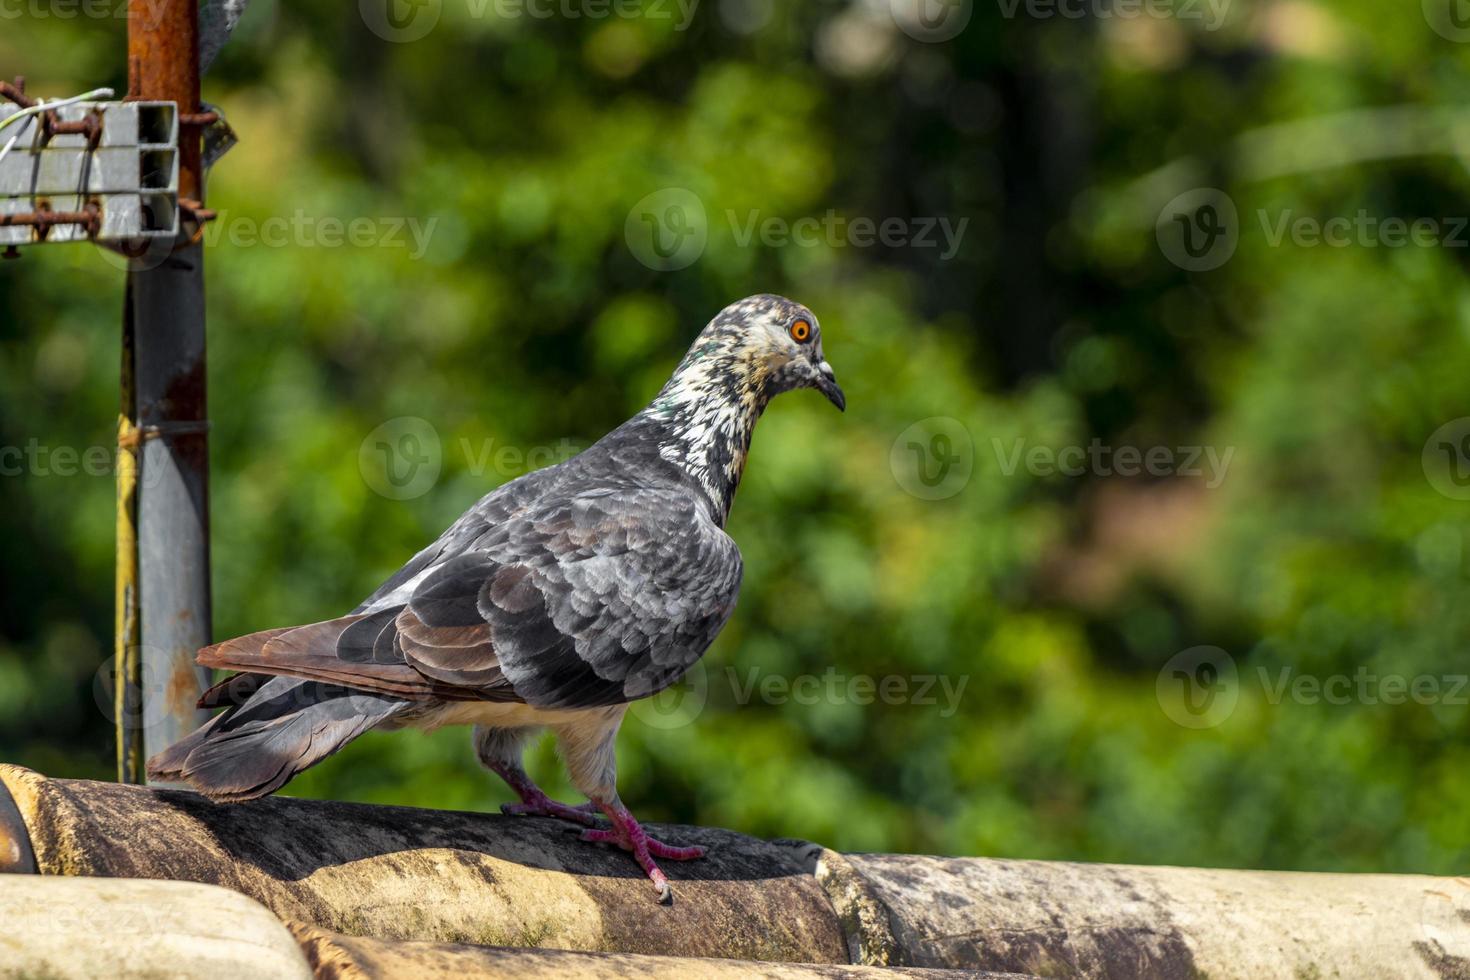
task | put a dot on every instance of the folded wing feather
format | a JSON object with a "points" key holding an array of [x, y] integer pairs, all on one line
{"points": [[591, 600]]}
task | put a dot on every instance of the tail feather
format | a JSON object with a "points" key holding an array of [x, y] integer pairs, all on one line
{"points": [[315, 652], [301, 694], [288, 725], [168, 765]]}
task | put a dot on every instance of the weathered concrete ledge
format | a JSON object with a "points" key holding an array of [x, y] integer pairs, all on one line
{"points": [[355, 958], [389, 875], [405, 874], [64, 928], [95, 927], [1059, 919]]}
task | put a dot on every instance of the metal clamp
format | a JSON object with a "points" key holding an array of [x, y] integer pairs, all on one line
{"points": [[131, 437]]}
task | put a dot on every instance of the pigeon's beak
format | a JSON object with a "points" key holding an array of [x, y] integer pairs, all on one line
{"points": [[827, 384]]}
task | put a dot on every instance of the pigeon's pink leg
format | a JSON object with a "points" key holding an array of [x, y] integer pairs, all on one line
{"points": [[630, 836], [536, 803]]}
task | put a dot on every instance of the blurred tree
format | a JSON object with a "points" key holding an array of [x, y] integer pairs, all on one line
{"points": [[491, 289]]}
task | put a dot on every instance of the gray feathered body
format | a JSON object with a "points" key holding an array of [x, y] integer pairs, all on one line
{"points": [[597, 581], [588, 584]]}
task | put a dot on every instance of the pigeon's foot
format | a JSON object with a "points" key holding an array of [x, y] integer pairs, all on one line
{"points": [[628, 834], [535, 803], [542, 805]]}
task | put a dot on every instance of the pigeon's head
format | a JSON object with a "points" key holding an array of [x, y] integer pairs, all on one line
{"points": [[751, 352], [764, 344]]}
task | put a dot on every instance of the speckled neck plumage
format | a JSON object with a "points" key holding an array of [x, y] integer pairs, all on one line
{"points": [[707, 412]]}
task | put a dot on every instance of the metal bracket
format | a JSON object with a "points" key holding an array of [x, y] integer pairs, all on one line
{"points": [[95, 171]]}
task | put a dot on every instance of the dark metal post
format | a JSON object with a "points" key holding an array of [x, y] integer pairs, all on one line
{"points": [[167, 609]]}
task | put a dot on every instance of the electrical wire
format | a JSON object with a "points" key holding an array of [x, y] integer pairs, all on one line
{"points": [[42, 106]]}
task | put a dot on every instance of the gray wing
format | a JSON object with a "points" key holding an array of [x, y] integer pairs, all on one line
{"points": [[496, 507], [596, 599]]}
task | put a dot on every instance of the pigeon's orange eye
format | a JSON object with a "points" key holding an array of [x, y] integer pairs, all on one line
{"points": [[801, 331]]}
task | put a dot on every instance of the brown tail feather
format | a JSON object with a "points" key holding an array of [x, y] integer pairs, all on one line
{"points": [[247, 645], [309, 653]]}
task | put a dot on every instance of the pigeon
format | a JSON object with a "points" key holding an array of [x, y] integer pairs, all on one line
{"points": [[554, 602]]}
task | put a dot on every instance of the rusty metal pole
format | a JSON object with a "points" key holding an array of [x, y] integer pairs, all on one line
{"points": [[164, 614]]}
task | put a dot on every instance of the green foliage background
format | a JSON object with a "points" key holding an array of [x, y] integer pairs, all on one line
{"points": [[528, 321]]}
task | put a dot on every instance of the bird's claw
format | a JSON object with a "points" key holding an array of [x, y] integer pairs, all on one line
{"points": [[625, 831], [632, 838]]}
